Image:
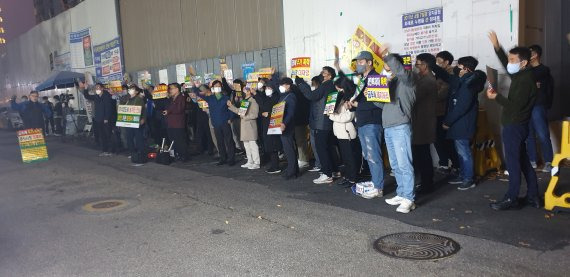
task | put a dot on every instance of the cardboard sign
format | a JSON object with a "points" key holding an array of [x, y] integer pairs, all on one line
{"points": [[377, 89], [277, 113], [202, 104], [407, 62], [301, 67], [363, 41], [331, 102], [32, 145], [129, 116], [243, 107], [115, 86], [160, 92]]}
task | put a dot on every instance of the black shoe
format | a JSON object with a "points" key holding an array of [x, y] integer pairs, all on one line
{"points": [[346, 183], [231, 163], [221, 163], [505, 204], [289, 177], [466, 185], [533, 202]]}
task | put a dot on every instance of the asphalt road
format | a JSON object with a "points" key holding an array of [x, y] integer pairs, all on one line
{"points": [[190, 222]]}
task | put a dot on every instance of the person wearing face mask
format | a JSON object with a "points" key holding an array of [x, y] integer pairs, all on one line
{"points": [[538, 126], [236, 94], [176, 121], [368, 118], [203, 134], [248, 127], [322, 124], [460, 121], [135, 140], [267, 96], [221, 119], [517, 111], [315, 84], [443, 146], [102, 114], [424, 120], [396, 120], [288, 128]]}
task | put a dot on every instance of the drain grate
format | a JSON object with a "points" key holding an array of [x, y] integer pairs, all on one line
{"points": [[105, 205], [416, 246]]}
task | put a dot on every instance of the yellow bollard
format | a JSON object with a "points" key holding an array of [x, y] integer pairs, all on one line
{"points": [[550, 199]]}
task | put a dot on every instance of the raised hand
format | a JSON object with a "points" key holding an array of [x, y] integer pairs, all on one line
{"points": [[494, 40]]}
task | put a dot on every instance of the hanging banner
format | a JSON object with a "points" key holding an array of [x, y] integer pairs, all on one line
{"points": [[331, 102], [363, 41], [129, 116], [243, 107], [108, 66], [32, 145], [301, 67], [277, 113], [160, 92], [423, 31], [247, 68], [377, 89], [81, 49]]}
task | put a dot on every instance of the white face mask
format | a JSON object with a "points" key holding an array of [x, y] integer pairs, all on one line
{"points": [[268, 91], [513, 68], [313, 88], [387, 73], [216, 89], [282, 89], [132, 92], [259, 85], [98, 92]]}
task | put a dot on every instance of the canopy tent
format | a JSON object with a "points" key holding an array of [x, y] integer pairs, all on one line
{"points": [[60, 79]]}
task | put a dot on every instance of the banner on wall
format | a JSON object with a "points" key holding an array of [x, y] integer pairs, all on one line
{"points": [[363, 41], [81, 49], [301, 67], [422, 31], [108, 65]]}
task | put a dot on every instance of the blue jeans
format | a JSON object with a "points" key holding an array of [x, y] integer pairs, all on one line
{"points": [[399, 145], [538, 126], [370, 140], [465, 157]]}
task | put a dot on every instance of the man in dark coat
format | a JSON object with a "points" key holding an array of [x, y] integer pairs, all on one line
{"points": [[102, 115], [31, 111]]}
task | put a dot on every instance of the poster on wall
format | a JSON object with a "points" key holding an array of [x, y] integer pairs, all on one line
{"points": [[422, 31], [301, 67], [247, 68], [181, 73], [163, 76], [81, 49], [62, 62], [108, 65]]}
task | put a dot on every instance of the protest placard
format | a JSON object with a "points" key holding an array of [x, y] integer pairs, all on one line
{"points": [[160, 92], [129, 116], [32, 145], [331, 102], [277, 113], [377, 89]]}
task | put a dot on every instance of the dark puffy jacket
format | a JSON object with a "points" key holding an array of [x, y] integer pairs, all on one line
{"points": [[104, 106], [32, 113], [302, 108], [463, 106], [318, 98], [219, 112]]}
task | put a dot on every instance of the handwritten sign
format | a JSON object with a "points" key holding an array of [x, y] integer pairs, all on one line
{"points": [[301, 67], [160, 92], [377, 89], [129, 116], [331, 102], [423, 31], [32, 145], [277, 113]]}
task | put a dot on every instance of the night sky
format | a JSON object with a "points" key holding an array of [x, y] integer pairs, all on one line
{"points": [[18, 17]]}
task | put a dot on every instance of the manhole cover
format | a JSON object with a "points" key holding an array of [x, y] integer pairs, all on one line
{"points": [[105, 205], [416, 246]]}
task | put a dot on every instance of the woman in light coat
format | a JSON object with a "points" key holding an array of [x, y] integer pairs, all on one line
{"points": [[345, 131], [248, 132]]}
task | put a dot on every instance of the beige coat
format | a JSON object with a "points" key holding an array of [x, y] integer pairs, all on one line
{"points": [[343, 128], [248, 122]]}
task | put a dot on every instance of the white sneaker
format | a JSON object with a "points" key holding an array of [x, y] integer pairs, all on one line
{"points": [[105, 154], [315, 169], [406, 206], [394, 201], [246, 165], [323, 179], [303, 164], [373, 194], [253, 166]]}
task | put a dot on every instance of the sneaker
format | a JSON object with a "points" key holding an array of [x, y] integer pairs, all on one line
{"points": [[392, 173], [253, 166], [466, 185], [303, 164], [323, 179], [246, 165], [506, 172], [456, 181], [129, 157], [336, 175], [373, 194], [406, 206], [105, 154], [273, 171], [533, 164], [315, 169], [137, 165], [547, 168], [394, 201]]}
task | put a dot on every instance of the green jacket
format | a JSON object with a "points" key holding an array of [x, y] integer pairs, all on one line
{"points": [[517, 106]]}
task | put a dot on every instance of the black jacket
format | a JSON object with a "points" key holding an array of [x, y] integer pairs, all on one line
{"points": [[367, 112], [32, 115], [544, 85], [318, 98], [104, 106]]}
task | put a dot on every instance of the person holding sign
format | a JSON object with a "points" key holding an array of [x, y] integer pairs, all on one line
{"points": [[102, 115], [135, 140], [266, 97], [236, 94], [176, 121], [396, 119], [248, 113], [368, 117], [287, 127]]}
